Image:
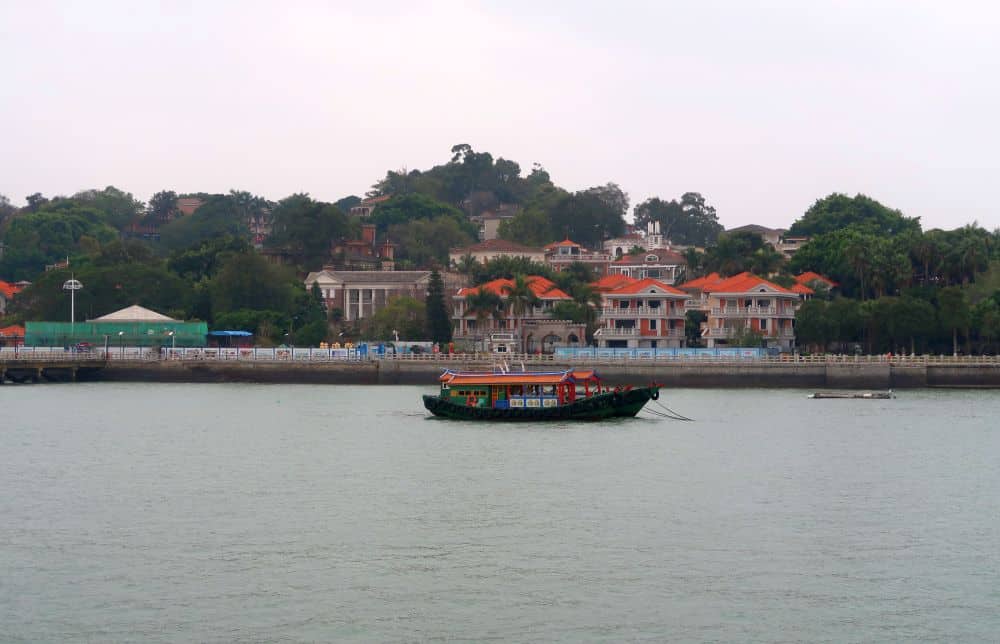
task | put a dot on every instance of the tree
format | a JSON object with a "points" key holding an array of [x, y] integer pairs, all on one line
{"points": [[305, 229], [406, 208], [838, 212], [507, 268], [403, 315], [589, 217], [163, 206], [813, 325], [954, 313], [520, 299], [424, 242], [438, 320], [118, 207], [248, 281], [218, 216], [37, 239], [202, 261], [484, 305], [35, 202], [690, 221], [693, 320]]}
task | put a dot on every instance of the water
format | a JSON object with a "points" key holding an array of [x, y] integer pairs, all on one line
{"points": [[219, 513]]}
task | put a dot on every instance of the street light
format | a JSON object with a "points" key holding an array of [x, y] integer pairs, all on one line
{"points": [[173, 342], [72, 285], [121, 345]]}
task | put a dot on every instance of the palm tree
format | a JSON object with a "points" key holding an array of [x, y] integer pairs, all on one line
{"points": [[520, 298], [484, 305], [589, 299], [466, 264], [766, 261]]}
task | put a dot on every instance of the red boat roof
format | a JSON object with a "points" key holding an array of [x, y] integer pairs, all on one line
{"points": [[453, 378]]}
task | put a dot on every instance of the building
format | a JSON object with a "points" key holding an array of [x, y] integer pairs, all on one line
{"points": [[360, 294], [131, 326], [744, 307], [644, 313], [815, 281], [660, 264], [537, 328], [188, 205], [489, 220], [559, 255], [367, 206], [7, 293], [11, 336], [620, 246], [496, 248]]}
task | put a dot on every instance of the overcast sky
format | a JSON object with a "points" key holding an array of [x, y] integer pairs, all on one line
{"points": [[763, 109]]}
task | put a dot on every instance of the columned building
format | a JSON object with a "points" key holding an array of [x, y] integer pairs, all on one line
{"points": [[360, 294]]}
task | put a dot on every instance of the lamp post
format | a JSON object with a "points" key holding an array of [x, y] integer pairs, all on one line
{"points": [[173, 342], [121, 345], [72, 285]]}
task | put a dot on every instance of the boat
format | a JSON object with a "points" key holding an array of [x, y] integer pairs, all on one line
{"points": [[857, 395], [571, 394]]}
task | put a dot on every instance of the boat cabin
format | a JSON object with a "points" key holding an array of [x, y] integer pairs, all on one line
{"points": [[518, 389]]}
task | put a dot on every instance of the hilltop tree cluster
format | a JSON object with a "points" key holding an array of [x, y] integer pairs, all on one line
{"points": [[238, 260]]}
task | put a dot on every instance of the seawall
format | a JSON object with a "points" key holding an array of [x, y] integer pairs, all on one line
{"points": [[833, 375]]}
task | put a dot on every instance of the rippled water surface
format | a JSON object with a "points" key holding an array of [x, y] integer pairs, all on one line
{"points": [[218, 513]]}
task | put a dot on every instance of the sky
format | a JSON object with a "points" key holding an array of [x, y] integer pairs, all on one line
{"points": [[762, 107]]}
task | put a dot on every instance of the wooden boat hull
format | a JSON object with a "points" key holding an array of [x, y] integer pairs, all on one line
{"points": [[608, 405]]}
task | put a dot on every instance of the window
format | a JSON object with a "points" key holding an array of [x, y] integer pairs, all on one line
{"points": [[652, 325], [652, 258], [763, 324]]}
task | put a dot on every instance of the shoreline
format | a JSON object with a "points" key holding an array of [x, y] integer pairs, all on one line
{"points": [[830, 375]]}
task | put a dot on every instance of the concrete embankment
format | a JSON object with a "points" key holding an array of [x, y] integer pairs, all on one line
{"points": [[845, 375]]}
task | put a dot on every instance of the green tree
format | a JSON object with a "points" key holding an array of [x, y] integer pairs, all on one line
{"points": [[35, 239], [218, 216], [118, 207], [305, 229], [162, 207], [248, 281], [693, 320], [484, 305], [838, 212], [202, 261], [954, 313], [438, 319], [407, 208], [690, 221], [426, 242], [813, 325], [520, 299], [404, 315]]}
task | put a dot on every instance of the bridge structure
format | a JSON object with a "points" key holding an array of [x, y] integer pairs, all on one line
{"points": [[49, 368]]}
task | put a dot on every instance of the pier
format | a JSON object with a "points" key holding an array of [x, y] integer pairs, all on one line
{"points": [[323, 367]]}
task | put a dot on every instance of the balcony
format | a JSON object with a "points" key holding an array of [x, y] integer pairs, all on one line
{"points": [[753, 311], [730, 332], [634, 332], [636, 312]]}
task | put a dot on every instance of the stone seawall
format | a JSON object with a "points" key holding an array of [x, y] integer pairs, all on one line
{"points": [[833, 375]]}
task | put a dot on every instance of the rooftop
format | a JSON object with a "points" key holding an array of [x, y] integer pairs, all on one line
{"points": [[496, 245], [542, 288]]}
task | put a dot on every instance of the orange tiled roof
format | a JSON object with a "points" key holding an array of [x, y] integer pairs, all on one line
{"points": [[802, 289], [649, 282], [810, 276], [568, 243], [742, 283], [8, 289], [542, 288], [702, 282], [12, 331], [612, 281]]}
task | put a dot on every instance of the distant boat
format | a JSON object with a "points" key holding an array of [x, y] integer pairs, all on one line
{"points": [[573, 394], [874, 395]]}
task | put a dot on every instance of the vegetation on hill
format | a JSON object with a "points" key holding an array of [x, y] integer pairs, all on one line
{"points": [[898, 287]]}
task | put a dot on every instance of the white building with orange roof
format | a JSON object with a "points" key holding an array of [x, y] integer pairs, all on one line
{"points": [[537, 327], [641, 314], [561, 254], [744, 305], [659, 264], [816, 281]]}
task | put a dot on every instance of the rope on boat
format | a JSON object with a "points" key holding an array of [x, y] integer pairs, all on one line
{"points": [[671, 414]]}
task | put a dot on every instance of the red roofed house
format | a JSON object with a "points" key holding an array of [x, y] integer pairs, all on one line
{"points": [[646, 314], [537, 327], [7, 293], [494, 248], [559, 255], [612, 281], [660, 264], [11, 336], [744, 304], [816, 281]]}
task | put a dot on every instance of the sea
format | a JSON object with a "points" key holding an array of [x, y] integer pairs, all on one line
{"points": [[299, 513]]}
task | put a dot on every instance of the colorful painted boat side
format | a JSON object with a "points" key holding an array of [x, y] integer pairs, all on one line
{"points": [[573, 394]]}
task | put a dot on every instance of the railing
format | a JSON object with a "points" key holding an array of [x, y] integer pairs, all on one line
{"points": [[755, 311], [640, 312], [714, 332]]}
